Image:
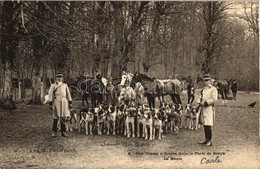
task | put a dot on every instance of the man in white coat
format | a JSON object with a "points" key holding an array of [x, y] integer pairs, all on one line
{"points": [[208, 97], [60, 102]]}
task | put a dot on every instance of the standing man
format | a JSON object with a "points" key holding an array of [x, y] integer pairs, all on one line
{"points": [[234, 89], [190, 92], [111, 96], [208, 97], [36, 89], [59, 102]]}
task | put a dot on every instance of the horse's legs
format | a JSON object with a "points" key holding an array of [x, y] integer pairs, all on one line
{"points": [[223, 97], [93, 100], [149, 101], [153, 102], [235, 95], [163, 98], [100, 99], [160, 100], [178, 97], [173, 98], [226, 94], [189, 97], [85, 98]]}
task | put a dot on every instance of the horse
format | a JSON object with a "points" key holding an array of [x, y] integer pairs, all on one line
{"points": [[93, 88], [221, 85], [223, 88], [152, 88], [173, 88]]}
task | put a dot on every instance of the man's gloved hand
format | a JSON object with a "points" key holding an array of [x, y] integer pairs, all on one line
{"points": [[206, 104], [50, 105], [70, 104], [201, 104]]}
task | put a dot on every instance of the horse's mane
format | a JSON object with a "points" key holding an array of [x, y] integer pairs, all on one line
{"points": [[144, 76]]}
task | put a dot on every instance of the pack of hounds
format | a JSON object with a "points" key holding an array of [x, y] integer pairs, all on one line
{"points": [[134, 121]]}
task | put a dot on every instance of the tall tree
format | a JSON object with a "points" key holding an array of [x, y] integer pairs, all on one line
{"points": [[128, 21], [9, 45], [213, 13]]}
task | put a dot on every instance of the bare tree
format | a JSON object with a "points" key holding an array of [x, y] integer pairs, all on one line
{"points": [[9, 44], [213, 13]]}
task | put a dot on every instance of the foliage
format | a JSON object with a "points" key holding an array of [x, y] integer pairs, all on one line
{"points": [[156, 37]]}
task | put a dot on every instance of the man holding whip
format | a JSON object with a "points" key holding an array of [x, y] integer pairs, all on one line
{"points": [[209, 95], [60, 102]]}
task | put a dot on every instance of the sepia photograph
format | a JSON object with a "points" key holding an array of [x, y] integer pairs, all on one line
{"points": [[129, 84]]}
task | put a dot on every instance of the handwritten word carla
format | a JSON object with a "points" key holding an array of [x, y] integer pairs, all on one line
{"points": [[205, 160]]}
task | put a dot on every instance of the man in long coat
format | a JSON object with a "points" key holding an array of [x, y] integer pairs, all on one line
{"points": [[60, 102], [209, 95]]}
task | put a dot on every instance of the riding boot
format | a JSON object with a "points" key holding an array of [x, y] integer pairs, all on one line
{"points": [[54, 125], [63, 127], [192, 99], [209, 135], [54, 128]]}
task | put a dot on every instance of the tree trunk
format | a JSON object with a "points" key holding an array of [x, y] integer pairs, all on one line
{"points": [[9, 43], [119, 41], [7, 101], [36, 90]]}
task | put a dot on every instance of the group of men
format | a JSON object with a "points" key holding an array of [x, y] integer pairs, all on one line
{"points": [[60, 102]]}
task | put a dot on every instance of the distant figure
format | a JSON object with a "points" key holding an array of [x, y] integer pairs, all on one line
{"points": [[111, 95], [234, 89], [191, 93], [36, 89]]}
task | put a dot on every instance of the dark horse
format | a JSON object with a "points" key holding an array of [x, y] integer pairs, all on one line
{"points": [[221, 85], [223, 88], [152, 88], [93, 88]]}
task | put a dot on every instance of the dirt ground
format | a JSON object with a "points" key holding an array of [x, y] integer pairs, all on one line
{"points": [[26, 142]]}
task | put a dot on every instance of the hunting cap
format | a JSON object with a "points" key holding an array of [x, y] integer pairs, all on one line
{"points": [[206, 77], [59, 74]]}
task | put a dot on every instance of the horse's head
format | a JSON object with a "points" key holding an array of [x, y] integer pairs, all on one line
{"points": [[139, 77], [126, 78]]}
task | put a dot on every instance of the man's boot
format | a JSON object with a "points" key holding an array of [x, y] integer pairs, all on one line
{"points": [[54, 128], [63, 127]]}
